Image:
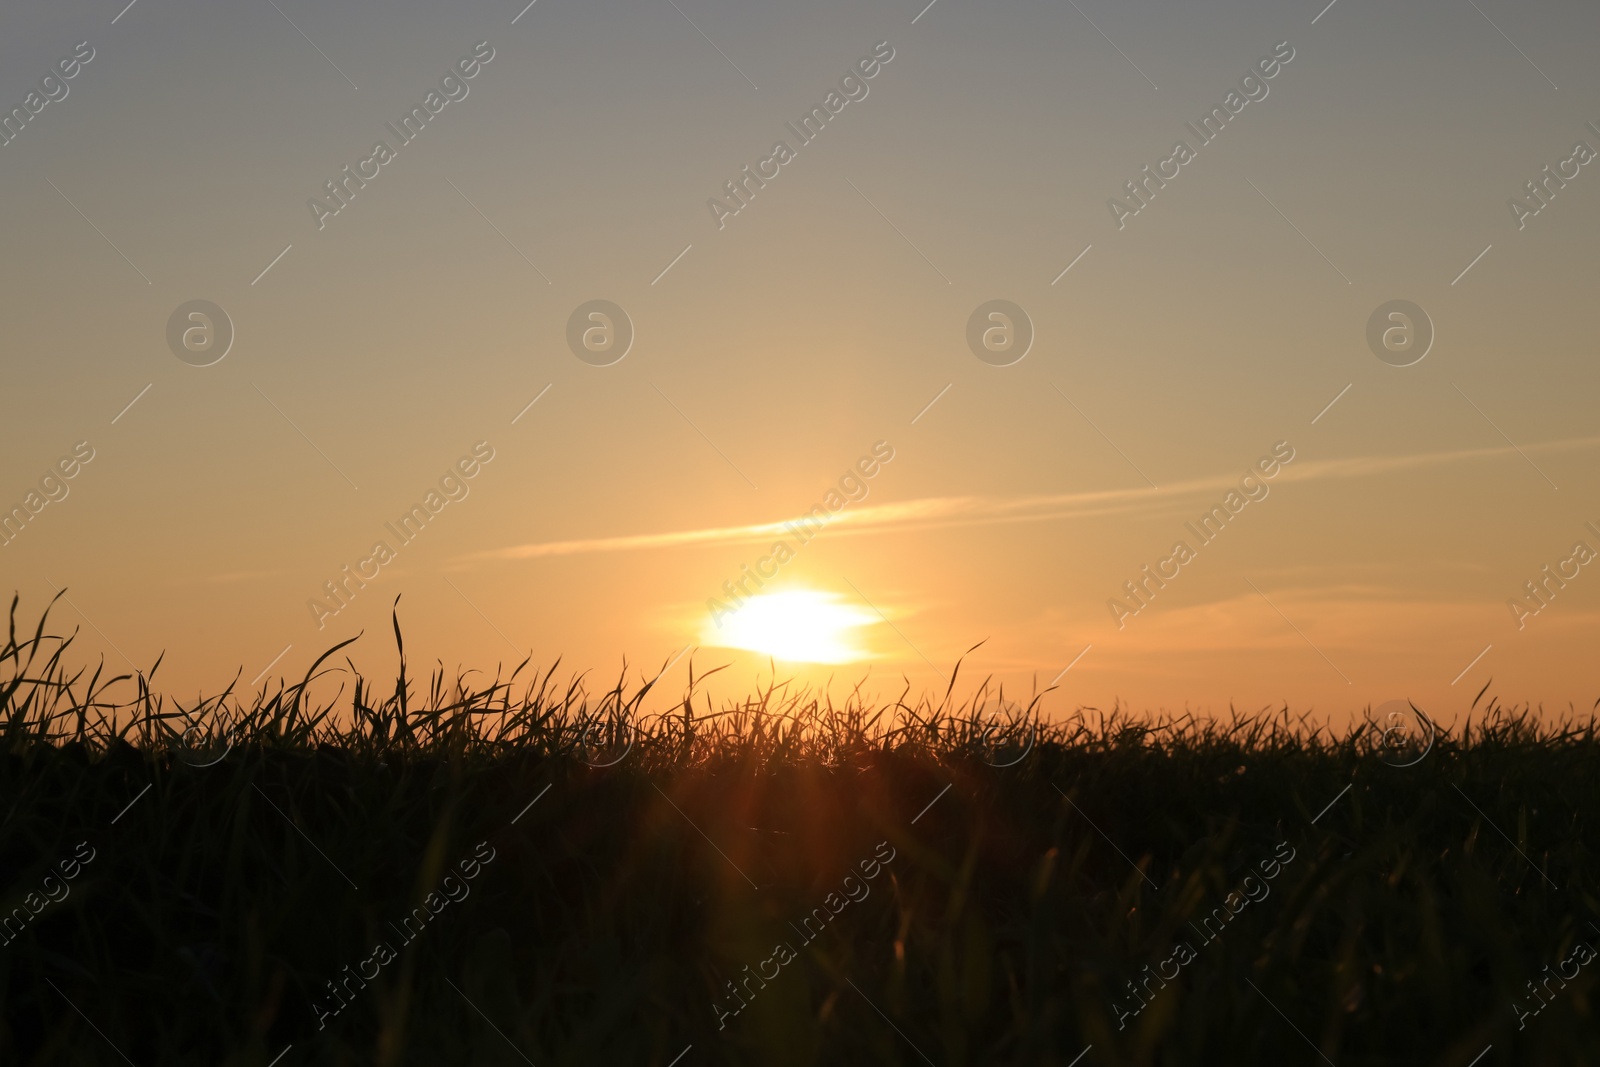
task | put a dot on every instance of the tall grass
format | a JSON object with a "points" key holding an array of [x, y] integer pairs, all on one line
{"points": [[247, 847]]}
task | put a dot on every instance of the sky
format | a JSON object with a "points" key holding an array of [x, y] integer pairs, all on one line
{"points": [[983, 319]]}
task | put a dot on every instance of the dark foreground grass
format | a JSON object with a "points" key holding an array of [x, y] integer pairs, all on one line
{"points": [[784, 881]]}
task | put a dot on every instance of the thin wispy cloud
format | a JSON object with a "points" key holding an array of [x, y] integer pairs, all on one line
{"points": [[935, 512]]}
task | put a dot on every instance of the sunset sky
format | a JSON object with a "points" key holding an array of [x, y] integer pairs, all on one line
{"points": [[776, 354]]}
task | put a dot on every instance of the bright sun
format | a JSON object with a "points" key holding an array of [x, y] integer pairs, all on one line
{"points": [[799, 625]]}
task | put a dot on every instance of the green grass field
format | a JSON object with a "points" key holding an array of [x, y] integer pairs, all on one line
{"points": [[527, 870]]}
